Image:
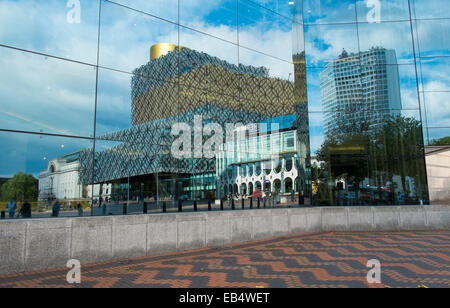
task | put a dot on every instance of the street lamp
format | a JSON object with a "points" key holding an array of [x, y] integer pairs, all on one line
{"points": [[219, 187]]}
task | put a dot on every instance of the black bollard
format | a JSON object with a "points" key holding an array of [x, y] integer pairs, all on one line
{"points": [[243, 204], [301, 200], [209, 205], [3, 215], [259, 203], [164, 207], [232, 204], [251, 203], [180, 206], [221, 205], [145, 208], [195, 206]]}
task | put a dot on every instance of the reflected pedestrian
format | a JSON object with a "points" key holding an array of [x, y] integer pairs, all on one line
{"points": [[401, 197], [56, 208], [80, 209], [103, 209], [25, 210], [12, 206]]}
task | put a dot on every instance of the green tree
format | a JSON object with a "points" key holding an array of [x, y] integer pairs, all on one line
{"points": [[21, 187], [440, 142], [346, 156], [400, 151], [355, 152]]}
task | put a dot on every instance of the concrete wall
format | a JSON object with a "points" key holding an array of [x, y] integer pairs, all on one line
{"points": [[438, 170], [37, 244]]}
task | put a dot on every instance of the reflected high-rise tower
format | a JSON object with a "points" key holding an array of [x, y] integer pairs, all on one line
{"points": [[360, 91]]}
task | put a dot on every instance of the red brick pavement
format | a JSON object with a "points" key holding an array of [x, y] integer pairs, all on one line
{"points": [[339, 259]]}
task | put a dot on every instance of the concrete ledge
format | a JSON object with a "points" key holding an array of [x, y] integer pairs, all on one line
{"points": [[38, 244], [360, 219], [12, 246]]}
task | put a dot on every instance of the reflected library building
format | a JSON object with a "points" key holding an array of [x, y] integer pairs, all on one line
{"points": [[330, 103]]}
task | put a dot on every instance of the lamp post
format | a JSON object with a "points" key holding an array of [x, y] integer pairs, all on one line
{"points": [[126, 171], [294, 186], [128, 200], [157, 188], [219, 186]]}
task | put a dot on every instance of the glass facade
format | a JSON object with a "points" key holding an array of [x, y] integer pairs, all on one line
{"points": [[122, 105]]}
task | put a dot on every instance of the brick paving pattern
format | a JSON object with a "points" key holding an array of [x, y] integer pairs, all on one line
{"points": [[334, 259]]}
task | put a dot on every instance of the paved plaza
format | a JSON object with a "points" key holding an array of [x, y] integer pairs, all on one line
{"points": [[331, 259]]}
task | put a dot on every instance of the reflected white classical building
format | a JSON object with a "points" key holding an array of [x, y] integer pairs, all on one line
{"points": [[265, 162], [61, 181]]}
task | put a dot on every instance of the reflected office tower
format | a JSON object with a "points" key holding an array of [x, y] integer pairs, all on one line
{"points": [[360, 91]]}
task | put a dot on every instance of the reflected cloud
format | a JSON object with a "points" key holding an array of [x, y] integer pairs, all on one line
{"points": [[37, 123]]}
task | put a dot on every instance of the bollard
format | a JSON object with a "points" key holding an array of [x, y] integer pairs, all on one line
{"points": [[195, 206], [145, 208], [221, 205], [3, 215], [301, 200], [209, 205], [164, 207], [251, 203], [232, 204], [243, 204], [259, 203], [180, 206]]}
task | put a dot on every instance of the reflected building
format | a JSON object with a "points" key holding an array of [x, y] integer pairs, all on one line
{"points": [[61, 180], [173, 84], [360, 91], [264, 160], [362, 122], [177, 85], [85, 93]]}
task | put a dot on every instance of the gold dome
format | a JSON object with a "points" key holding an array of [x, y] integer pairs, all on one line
{"points": [[159, 50]]}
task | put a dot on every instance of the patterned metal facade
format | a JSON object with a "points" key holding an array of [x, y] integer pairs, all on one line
{"points": [[175, 88]]}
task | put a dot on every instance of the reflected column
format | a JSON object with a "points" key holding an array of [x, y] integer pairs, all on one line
{"points": [[303, 160]]}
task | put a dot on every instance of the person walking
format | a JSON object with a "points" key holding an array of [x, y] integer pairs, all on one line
{"points": [[25, 210], [401, 197], [12, 206], [80, 209], [56, 208], [103, 206]]}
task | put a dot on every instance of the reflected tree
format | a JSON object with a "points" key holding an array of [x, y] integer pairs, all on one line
{"points": [[400, 151], [20, 188], [440, 142], [378, 153]]}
